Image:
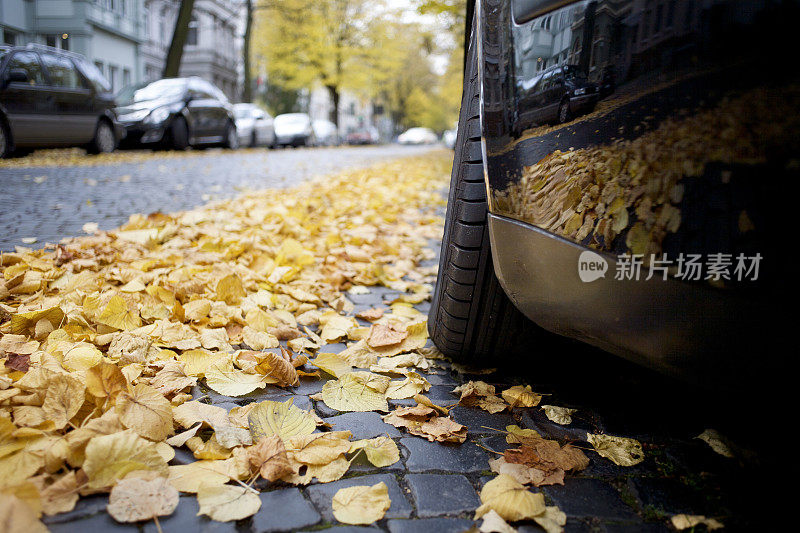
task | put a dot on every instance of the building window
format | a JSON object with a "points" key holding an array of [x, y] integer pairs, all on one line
{"points": [[112, 77], [147, 22], [9, 37], [162, 27], [100, 67], [191, 35], [126, 77]]}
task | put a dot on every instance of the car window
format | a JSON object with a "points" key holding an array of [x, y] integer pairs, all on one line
{"points": [[62, 72], [96, 77], [29, 62]]}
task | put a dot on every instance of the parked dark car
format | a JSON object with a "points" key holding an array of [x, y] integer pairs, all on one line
{"points": [[176, 113], [50, 98], [557, 94], [655, 227]]}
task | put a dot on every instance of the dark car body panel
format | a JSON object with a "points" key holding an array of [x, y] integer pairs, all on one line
{"points": [[688, 150], [45, 111]]}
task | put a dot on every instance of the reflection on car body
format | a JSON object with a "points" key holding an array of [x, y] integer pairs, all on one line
{"points": [[678, 143]]}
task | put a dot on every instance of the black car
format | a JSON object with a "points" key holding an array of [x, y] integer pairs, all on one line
{"points": [[656, 227], [557, 94], [176, 113], [50, 98]]}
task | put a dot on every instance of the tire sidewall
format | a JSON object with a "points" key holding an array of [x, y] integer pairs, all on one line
{"points": [[179, 133], [104, 138]]}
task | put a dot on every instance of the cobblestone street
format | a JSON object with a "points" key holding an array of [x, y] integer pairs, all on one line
{"points": [[49, 203], [434, 487]]}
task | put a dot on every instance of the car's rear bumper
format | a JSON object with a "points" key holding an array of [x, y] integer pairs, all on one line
{"points": [[690, 330], [292, 140]]}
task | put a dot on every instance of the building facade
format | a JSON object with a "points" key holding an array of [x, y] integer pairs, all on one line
{"points": [[108, 32], [128, 39], [213, 45]]}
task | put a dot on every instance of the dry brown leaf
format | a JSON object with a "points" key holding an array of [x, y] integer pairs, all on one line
{"points": [[17, 517], [105, 380], [510, 499], [521, 396], [268, 458], [361, 505], [145, 411], [559, 415], [226, 503], [620, 450], [135, 499], [685, 521], [110, 458], [381, 335]]}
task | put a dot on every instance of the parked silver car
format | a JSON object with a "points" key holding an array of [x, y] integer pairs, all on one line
{"points": [[325, 132], [254, 125], [294, 129]]}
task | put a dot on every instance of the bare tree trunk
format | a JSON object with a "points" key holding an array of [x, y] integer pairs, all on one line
{"points": [[173, 63], [334, 92], [247, 90]]}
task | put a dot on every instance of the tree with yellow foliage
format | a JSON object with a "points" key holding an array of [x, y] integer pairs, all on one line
{"points": [[336, 43]]}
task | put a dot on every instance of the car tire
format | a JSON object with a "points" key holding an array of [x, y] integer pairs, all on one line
{"points": [[564, 112], [6, 145], [231, 137], [471, 318], [104, 141], [179, 134]]}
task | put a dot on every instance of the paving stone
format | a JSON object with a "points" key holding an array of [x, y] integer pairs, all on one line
{"points": [[667, 495], [85, 507], [433, 456], [442, 494], [405, 402], [536, 419], [96, 523], [332, 348], [345, 529], [636, 527], [307, 387], [442, 394], [442, 378], [478, 420], [324, 410], [430, 525], [322, 494], [497, 443], [363, 425], [283, 510], [185, 519], [590, 497], [303, 402]]}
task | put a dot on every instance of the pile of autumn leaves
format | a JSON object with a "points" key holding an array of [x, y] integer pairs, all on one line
{"points": [[104, 340], [107, 340]]}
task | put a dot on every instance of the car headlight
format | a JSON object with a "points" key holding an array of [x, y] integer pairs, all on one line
{"points": [[157, 115], [580, 91]]}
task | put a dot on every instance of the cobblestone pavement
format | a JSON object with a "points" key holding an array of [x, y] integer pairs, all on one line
{"points": [[49, 203], [435, 487]]}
